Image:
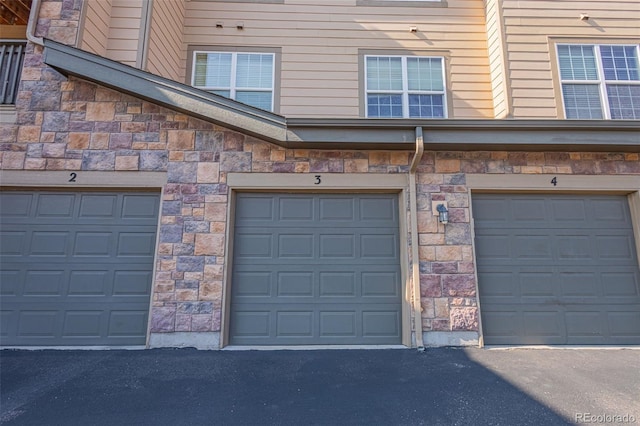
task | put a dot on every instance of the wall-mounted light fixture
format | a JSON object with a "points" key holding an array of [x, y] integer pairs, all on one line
{"points": [[413, 29], [240, 25], [439, 208], [443, 214], [219, 24], [584, 16]]}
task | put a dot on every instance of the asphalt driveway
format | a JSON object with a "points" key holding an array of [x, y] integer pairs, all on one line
{"points": [[446, 386]]}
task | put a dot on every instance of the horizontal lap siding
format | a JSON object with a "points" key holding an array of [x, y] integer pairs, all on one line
{"points": [[166, 55], [528, 26], [320, 45], [95, 34], [124, 33]]}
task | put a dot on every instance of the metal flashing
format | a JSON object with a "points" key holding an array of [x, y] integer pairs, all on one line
{"points": [[356, 133]]}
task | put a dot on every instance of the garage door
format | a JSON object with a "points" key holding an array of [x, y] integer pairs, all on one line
{"points": [[316, 269], [76, 268], [557, 269]]}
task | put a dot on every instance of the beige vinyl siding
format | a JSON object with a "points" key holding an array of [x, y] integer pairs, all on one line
{"points": [[495, 42], [167, 54], [95, 33], [320, 44], [532, 26], [124, 31]]}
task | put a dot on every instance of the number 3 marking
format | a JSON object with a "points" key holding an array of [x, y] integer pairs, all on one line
{"points": [[318, 180]]}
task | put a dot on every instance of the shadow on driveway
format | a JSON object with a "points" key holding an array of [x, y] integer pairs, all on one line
{"points": [[443, 386]]}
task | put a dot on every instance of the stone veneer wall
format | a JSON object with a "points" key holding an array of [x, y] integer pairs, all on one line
{"points": [[71, 124]]}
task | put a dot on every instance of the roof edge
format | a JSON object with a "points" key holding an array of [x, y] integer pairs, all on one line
{"points": [[347, 133], [163, 91]]}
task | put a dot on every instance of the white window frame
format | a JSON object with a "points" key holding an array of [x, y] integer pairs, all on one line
{"points": [[601, 82], [405, 92], [233, 88]]}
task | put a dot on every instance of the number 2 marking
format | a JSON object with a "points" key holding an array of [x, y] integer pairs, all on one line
{"points": [[72, 177], [318, 180], [554, 181]]}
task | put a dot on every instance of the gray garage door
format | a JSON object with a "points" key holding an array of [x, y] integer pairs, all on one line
{"points": [[316, 269], [557, 269], [76, 268]]}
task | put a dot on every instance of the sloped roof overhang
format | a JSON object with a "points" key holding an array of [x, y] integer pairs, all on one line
{"points": [[358, 133]]}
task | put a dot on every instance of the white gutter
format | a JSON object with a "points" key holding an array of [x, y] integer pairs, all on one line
{"points": [[33, 22], [415, 259]]}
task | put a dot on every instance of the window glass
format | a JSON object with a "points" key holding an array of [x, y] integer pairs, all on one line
{"points": [[600, 82], [384, 73], [582, 101], [245, 77], [405, 86], [624, 101]]}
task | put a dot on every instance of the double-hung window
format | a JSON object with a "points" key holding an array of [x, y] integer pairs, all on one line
{"points": [[405, 86], [600, 81], [246, 77]]}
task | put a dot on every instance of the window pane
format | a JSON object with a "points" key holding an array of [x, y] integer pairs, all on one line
{"points": [[624, 101], [384, 106], [582, 101], [426, 106], [620, 63], [577, 63], [425, 74], [384, 73], [213, 70], [254, 70], [257, 99]]}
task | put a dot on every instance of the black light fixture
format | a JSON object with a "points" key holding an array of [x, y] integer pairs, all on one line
{"points": [[443, 214]]}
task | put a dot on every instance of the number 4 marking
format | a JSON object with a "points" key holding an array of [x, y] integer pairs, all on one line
{"points": [[554, 181]]}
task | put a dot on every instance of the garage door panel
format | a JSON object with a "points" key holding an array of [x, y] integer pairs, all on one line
{"points": [[380, 323], [251, 323], [295, 284], [621, 285], [60, 206], [337, 284], [84, 270], [308, 272], [295, 209], [338, 324], [542, 323], [10, 282], [12, 243], [38, 322], [249, 246], [97, 206], [88, 283], [16, 205], [337, 209], [83, 324], [299, 324], [44, 283], [295, 246], [564, 281], [377, 209], [586, 324], [610, 213], [615, 247], [139, 208]]}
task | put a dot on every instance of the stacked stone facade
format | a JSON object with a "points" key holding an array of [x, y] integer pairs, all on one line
{"points": [[71, 124]]}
